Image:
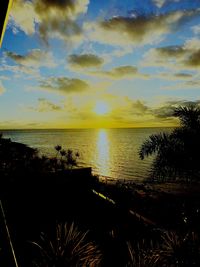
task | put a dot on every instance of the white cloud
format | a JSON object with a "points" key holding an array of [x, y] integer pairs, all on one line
{"points": [[192, 44], [159, 3], [196, 29], [23, 16]]}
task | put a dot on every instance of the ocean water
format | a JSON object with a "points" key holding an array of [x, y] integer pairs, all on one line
{"points": [[110, 152]]}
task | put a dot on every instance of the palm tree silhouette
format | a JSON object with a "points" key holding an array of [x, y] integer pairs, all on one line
{"points": [[177, 153]]}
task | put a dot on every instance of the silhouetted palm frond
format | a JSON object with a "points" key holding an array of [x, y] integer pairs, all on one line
{"points": [[144, 254], [189, 116], [177, 153], [69, 247], [153, 144], [180, 249], [58, 148]]}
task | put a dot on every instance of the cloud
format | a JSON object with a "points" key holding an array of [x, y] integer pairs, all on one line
{"points": [[193, 84], [183, 75], [137, 111], [64, 85], [71, 8], [35, 58], [182, 57], [140, 107], [171, 51], [159, 3], [55, 18], [85, 61], [58, 18], [3, 77], [120, 73], [140, 30], [196, 29], [23, 17], [171, 76], [20, 70], [193, 60], [167, 110], [167, 57], [45, 106]]}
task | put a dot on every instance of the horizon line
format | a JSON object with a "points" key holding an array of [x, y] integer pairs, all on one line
{"points": [[85, 128]]}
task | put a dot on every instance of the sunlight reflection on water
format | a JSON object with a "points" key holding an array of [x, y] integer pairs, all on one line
{"points": [[110, 152], [103, 151]]}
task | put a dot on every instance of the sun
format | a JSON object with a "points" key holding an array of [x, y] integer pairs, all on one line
{"points": [[101, 108]]}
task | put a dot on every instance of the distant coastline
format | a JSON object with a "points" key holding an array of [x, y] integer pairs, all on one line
{"points": [[59, 129]]}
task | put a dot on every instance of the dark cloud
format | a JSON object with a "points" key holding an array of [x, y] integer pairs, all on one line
{"points": [[85, 60], [64, 85], [138, 30], [193, 60], [34, 58], [186, 56], [15, 56], [183, 75], [192, 83], [140, 108], [171, 51], [120, 73], [167, 110], [164, 112], [58, 17], [190, 56], [44, 5], [54, 18]]}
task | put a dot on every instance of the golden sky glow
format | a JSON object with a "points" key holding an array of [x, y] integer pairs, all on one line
{"points": [[83, 63], [101, 108]]}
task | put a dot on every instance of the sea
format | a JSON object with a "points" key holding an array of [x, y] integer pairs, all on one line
{"points": [[112, 153]]}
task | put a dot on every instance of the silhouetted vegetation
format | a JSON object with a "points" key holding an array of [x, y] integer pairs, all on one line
{"points": [[67, 159], [173, 250], [16, 157], [19, 158], [177, 153], [129, 224], [68, 247]]}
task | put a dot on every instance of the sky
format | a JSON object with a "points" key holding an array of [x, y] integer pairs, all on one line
{"points": [[99, 64]]}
